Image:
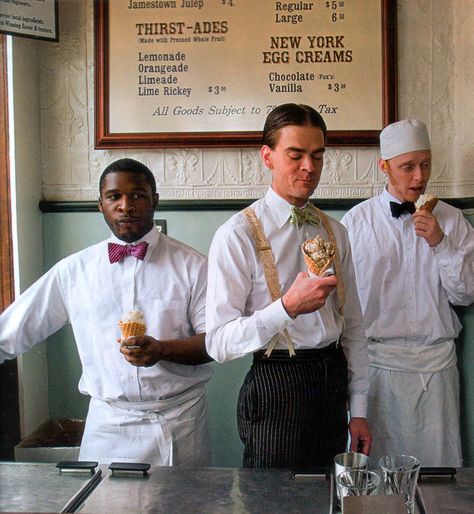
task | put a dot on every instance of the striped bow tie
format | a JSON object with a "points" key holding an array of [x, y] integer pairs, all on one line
{"points": [[308, 214], [118, 252]]}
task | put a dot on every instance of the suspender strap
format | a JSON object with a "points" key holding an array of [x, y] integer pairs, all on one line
{"points": [[341, 292], [269, 269], [265, 254]]}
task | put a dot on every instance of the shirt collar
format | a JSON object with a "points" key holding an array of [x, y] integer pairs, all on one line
{"points": [[279, 209]]}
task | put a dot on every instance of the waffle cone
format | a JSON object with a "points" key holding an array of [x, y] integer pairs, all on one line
{"points": [[132, 329], [429, 205], [312, 266]]}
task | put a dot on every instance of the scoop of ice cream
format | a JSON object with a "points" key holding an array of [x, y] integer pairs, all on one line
{"points": [[426, 202], [136, 316], [319, 250]]}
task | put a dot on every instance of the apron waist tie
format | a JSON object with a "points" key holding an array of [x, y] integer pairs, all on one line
{"points": [[424, 360], [412, 359], [160, 405], [153, 411]]}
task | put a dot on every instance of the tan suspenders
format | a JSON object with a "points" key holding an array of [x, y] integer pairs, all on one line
{"points": [[271, 275], [269, 269]]}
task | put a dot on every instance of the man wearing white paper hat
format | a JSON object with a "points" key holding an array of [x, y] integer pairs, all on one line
{"points": [[411, 266]]}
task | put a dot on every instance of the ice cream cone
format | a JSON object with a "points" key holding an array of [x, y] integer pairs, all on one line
{"points": [[132, 329], [132, 325]]}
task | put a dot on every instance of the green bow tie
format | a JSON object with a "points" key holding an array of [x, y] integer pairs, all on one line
{"points": [[308, 214]]}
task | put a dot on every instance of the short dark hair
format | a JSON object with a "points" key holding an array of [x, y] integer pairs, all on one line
{"points": [[290, 114], [128, 166]]}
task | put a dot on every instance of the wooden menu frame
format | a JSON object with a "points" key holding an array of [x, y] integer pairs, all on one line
{"points": [[6, 242], [132, 135]]}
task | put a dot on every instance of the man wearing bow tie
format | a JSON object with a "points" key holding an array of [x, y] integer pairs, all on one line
{"points": [[309, 351], [411, 267], [148, 400]]}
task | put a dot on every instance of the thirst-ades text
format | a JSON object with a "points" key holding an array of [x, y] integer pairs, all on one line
{"points": [[179, 27]]}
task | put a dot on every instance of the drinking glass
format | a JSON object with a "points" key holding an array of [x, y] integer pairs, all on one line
{"points": [[350, 460], [357, 482], [400, 475]]}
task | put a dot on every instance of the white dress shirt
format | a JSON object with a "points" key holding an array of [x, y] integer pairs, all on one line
{"points": [[405, 286], [241, 318], [92, 294]]}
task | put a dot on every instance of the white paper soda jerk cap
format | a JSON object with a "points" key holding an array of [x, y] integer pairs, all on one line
{"points": [[402, 137]]}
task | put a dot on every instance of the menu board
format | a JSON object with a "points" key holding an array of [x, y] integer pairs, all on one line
{"points": [[36, 19], [208, 72]]}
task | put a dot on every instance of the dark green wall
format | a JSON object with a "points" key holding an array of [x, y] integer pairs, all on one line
{"points": [[64, 233]]}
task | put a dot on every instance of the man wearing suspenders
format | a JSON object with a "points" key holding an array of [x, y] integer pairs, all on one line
{"points": [[310, 365]]}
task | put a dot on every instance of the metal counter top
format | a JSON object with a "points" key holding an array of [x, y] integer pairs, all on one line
{"points": [[445, 495], [210, 491], [35, 487]]}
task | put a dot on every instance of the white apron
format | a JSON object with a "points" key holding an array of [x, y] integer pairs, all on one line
{"points": [[414, 403], [162, 433]]}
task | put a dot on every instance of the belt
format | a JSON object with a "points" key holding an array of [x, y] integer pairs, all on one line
{"points": [[307, 354]]}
